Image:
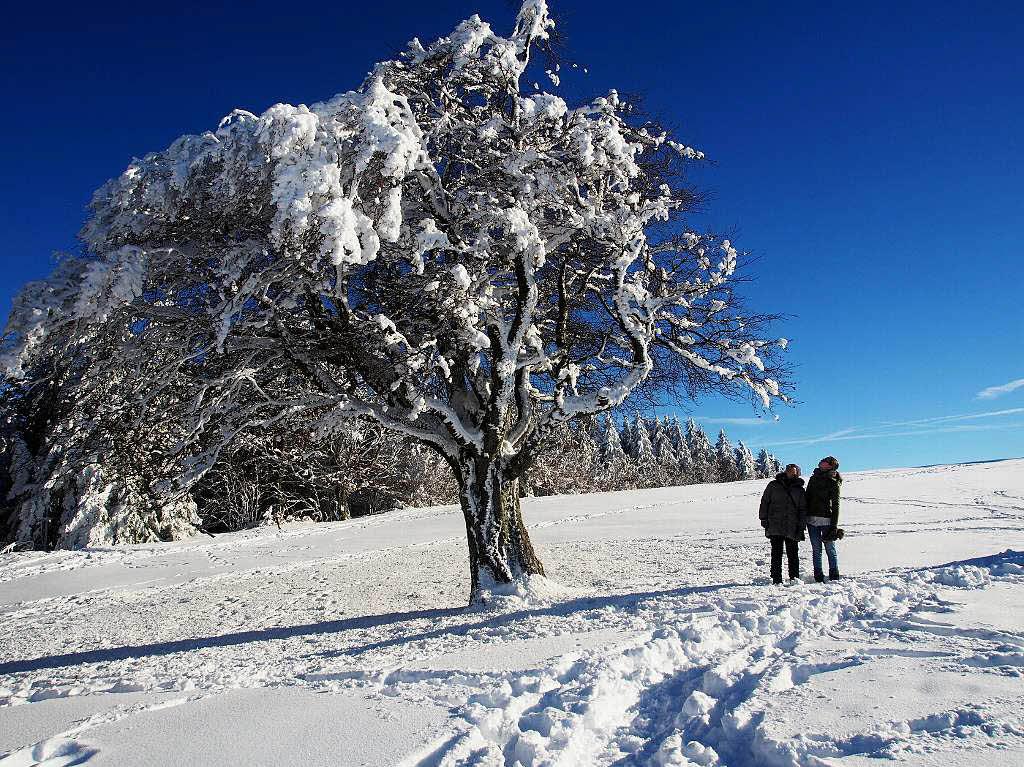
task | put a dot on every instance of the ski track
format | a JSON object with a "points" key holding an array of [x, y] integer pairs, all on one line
{"points": [[663, 675]]}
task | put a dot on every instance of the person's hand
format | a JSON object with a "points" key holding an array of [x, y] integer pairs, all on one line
{"points": [[831, 534], [764, 523]]}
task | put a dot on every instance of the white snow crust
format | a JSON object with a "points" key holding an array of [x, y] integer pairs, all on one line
{"points": [[656, 639]]}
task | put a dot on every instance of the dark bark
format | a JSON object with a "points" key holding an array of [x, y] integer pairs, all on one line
{"points": [[500, 550]]}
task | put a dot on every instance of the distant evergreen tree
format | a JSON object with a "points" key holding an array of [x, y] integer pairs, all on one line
{"points": [[613, 468], [611, 454], [725, 457], [765, 467], [643, 453], [676, 434], [684, 460], [628, 442], [664, 449], [705, 468], [643, 447], [746, 467], [665, 455]]}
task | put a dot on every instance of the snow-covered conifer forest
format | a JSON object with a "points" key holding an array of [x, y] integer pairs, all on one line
{"points": [[280, 476], [446, 272]]}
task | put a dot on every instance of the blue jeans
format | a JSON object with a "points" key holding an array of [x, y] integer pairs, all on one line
{"points": [[814, 533]]}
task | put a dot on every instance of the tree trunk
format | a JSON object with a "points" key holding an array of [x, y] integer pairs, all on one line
{"points": [[499, 546], [341, 503]]}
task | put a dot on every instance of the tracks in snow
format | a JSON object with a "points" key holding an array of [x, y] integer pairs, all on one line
{"points": [[696, 684], [699, 686]]}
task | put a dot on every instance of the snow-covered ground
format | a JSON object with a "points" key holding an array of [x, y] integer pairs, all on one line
{"points": [[658, 640]]}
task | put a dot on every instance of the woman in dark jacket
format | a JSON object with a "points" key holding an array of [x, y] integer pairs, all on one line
{"points": [[783, 515], [823, 516]]}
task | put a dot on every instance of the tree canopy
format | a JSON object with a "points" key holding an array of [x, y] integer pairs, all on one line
{"points": [[453, 255]]}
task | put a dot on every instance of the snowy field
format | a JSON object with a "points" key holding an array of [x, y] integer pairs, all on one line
{"points": [[659, 640]]}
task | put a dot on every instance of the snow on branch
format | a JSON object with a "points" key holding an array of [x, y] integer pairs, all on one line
{"points": [[435, 251]]}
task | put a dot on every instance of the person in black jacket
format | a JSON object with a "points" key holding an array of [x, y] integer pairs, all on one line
{"points": [[783, 515], [823, 490]]}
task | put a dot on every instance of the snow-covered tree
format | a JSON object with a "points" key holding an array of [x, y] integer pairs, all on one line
{"points": [[643, 446], [627, 439], [611, 454], [664, 450], [80, 468], [463, 260], [280, 474], [642, 455], [725, 458], [433, 482], [705, 464], [765, 467], [746, 467], [684, 458], [569, 462], [665, 454]]}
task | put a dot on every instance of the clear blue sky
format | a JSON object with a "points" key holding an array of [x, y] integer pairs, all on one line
{"points": [[869, 155]]}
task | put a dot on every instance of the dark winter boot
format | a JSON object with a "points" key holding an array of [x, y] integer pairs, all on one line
{"points": [[819, 577], [833, 575]]}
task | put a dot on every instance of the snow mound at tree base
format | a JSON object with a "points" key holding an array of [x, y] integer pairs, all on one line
{"points": [[530, 591]]}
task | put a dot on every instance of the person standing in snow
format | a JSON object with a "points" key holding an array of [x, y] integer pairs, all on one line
{"points": [[823, 516], [783, 514]]}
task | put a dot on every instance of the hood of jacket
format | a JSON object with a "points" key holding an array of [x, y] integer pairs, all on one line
{"points": [[831, 474]]}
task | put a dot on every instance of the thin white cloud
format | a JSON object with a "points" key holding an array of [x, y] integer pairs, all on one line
{"points": [[840, 433], [737, 421], [886, 432], [998, 391], [830, 437], [962, 417]]}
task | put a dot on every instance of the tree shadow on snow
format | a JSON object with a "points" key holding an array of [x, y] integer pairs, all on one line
{"points": [[559, 609]]}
